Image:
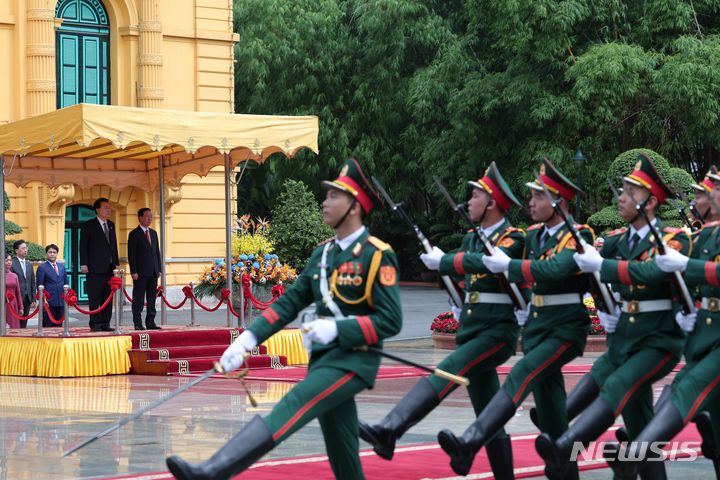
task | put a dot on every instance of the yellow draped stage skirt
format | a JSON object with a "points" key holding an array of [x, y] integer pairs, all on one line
{"points": [[65, 357], [289, 343]]}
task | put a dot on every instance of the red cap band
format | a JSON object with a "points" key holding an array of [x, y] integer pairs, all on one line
{"points": [[565, 192], [655, 189], [496, 193], [365, 201]]}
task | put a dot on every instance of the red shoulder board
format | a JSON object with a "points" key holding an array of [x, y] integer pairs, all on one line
{"points": [[470, 230], [534, 227], [672, 230], [711, 224], [618, 231]]}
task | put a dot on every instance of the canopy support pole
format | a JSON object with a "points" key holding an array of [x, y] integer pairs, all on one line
{"points": [[228, 247], [163, 276], [3, 311]]}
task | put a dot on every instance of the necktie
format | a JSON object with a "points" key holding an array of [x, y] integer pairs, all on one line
{"points": [[544, 237], [147, 235], [107, 232], [56, 269], [633, 241], [22, 265]]}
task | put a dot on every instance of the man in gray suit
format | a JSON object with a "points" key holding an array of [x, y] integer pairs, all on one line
{"points": [[26, 276]]}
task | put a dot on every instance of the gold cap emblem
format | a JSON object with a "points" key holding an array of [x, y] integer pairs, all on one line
{"points": [[344, 171], [638, 165], [542, 169]]}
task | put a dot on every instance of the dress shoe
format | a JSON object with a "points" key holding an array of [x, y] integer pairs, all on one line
{"points": [[152, 326], [139, 327], [95, 329], [107, 328]]}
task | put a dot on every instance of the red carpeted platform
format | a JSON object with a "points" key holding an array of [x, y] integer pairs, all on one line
{"points": [[429, 462], [189, 350]]}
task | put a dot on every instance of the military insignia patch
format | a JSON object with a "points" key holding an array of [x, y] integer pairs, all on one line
{"points": [[506, 242], [542, 169], [638, 165], [388, 275], [675, 245]]}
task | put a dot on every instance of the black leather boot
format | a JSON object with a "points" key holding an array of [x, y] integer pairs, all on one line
{"points": [[589, 426], [462, 450], [666, 423], [244, 449], [709, 447], [413, 407], [500, 454], [577, 400]]}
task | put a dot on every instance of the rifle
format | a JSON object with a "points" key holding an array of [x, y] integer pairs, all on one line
{"points": [[676, 279], [452, 289], [680, 207], [488, 248], [602, 293]]}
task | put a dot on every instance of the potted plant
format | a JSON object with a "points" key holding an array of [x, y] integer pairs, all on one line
{"points": [[444, 327]]}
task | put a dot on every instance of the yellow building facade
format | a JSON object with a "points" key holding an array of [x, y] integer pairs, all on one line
{"points": [[169, 54]]}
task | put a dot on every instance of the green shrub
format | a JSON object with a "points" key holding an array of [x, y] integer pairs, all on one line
{"points": [[35, 252], [297, 224]]}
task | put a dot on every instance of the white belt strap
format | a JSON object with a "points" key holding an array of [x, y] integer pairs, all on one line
{"points": [[487, 297], [554, 300], [324, 288], [642, 306]]}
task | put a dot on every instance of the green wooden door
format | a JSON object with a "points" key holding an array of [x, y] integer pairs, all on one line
{"points": [[75, 216], [83, 62]]}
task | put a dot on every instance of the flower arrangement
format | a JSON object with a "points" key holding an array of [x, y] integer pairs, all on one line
{"points": [[596, 327], [445, 323], [252, 258]]}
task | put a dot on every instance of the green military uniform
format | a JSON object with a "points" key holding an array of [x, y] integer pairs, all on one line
{"points": [[554, 334], [646, 344], [363, 283], [486, 338]]}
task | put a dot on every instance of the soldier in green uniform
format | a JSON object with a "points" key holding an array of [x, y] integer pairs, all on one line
{"points": [[555, 324], [696, 387], [644, 342], [353, 281], [488, 330]]}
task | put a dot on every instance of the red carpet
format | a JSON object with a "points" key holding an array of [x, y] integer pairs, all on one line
{"points": [[426, 462]]}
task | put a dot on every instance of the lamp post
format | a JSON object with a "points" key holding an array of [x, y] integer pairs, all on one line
{"points": [[579, 160]]}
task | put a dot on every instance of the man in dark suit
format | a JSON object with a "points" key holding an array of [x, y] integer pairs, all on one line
{"points": [[53, 277], [145, 268], [26, 276], [98, 259]]}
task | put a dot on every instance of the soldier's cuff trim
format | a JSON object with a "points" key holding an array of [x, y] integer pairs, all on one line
{"points": [[457, 263], [624, 272], [527, 271], [270, 315], [368, 329], [710, 274]]}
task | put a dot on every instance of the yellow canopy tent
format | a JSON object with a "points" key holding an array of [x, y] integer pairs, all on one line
{"points": [[90, 145]]}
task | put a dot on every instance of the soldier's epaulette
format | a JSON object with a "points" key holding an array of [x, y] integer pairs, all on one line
{"points": [[618, 231], [711, 224], [535, 227], [379, 244], [327, 240], [672, 230], [469, 230]]}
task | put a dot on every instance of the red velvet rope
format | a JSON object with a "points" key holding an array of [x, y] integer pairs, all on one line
{"points": [[9, 298], [71, 298], [224, 295], [50, 316], [277, 291], [170, 305]]}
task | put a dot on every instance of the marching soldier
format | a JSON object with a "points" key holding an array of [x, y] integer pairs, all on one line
{"points": [[701, 205], [353, 281], [696, 386], [488, 330], [644, 342], [555, 323]]}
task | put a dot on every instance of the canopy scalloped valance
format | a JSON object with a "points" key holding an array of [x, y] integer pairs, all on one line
{"points": [[121, 146]]}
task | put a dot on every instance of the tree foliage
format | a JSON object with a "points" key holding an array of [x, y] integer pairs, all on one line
{"points": [[423, 88]]}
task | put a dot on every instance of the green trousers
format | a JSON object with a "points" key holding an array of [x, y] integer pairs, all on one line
{"points": [[539, 372], [327, 394], [697, 387], [627, 386], [475, 359]]}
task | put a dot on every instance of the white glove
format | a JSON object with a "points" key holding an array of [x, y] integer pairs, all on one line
{"points": [[588, 261], [321, 330], [432, 259], [234, 356], [672, 261], [609, 321], [686, 322], [522, 315], [456, 311], [498, 262]]}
